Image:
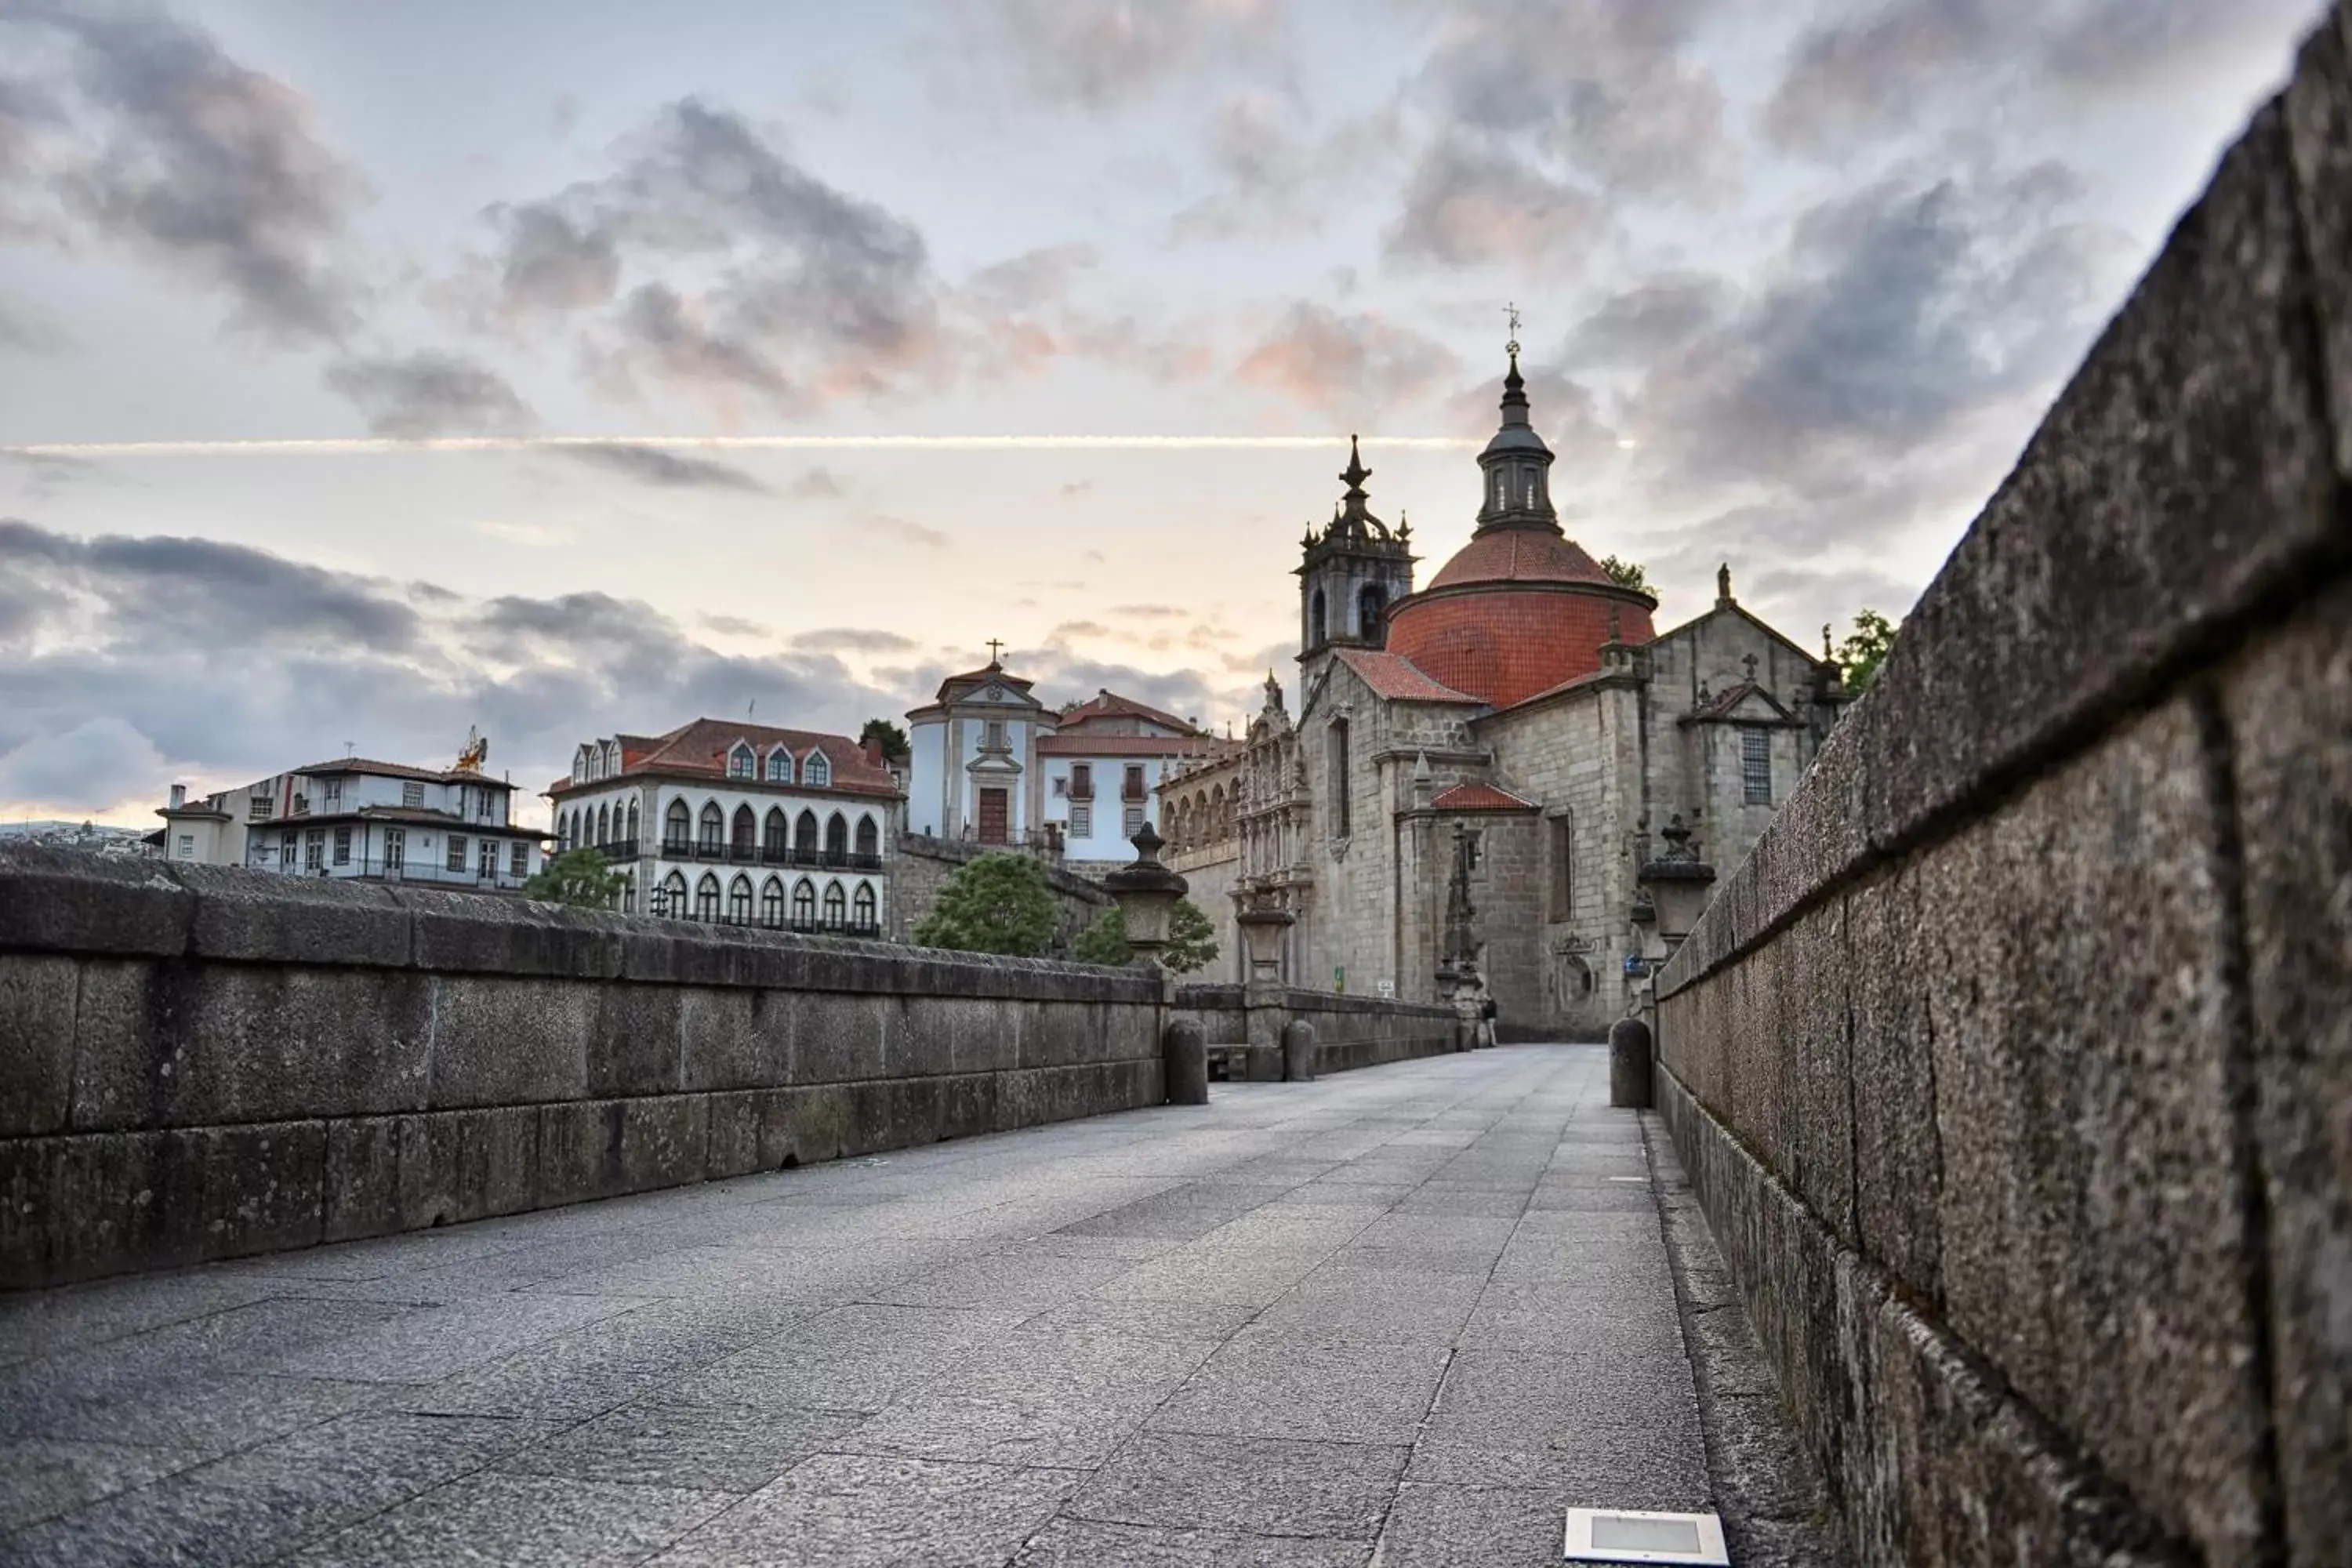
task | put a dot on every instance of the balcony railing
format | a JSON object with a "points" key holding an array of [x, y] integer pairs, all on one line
{"points": [[768, 855]]}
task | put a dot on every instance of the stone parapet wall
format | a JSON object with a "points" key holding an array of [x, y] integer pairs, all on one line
{"points": [[1350, 1032], [2014, 1067], [200, 1063], [923, 862]]}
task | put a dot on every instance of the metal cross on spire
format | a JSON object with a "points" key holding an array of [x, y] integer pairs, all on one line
{"points": [[995, 650], [1512, 311]]}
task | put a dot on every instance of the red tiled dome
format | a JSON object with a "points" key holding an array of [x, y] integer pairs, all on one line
{"points": [[1519, 555], [1516, 612]]}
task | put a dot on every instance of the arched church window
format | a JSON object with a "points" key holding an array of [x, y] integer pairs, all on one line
{"points": [[1315, 617], [869, 838], [739, 902], [775, 835], [836, 906], [862, 909], [1337, 782], [713, 826], [804, 840], [805, 905], [706, 898], [739, 761], [780, 767], [771, 904], [816, 771], [1368, 606], [747, 833], [673, 892]]}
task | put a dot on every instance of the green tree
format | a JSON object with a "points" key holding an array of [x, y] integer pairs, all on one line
{"points": [[893, 739], [1866, 649], [577, 877], [1628, 574], [1191, 939], [998, 903]]}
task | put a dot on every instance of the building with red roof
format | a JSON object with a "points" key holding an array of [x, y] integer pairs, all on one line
{"points": [[1520, 717], [727, 821]]}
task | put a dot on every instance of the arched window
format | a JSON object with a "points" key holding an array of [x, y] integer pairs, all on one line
{"points": [[747, 833], [1315, 618], [629, 894], [771, 904], [673, 890], [739, 760], [678, 827], [738, 901], [804, 838], [862, 908], [775, 839], [817, 770], [780, 767], [603, 826], [563, 832], [1368, 606], [706, 898], [633, 825], [1336, 777], [836, 838], [869, 838], [805, 905], [713, 826], [836, 906]]}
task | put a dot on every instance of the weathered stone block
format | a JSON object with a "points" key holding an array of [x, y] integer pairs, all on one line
{"points": [[1818, 1110], [836, 1037], [498, 1158], [721, 1042], [1897, 1162], [463, 934], [2184, 472], [600, 1149], [109, 1203], [731, 1145], [60, 900], [2091, 1212], [389, 1174], [37, 1042], [2319, 136], [253, 917], [918, 1036], [636, 1047], [2294, 803], [162, 1043], [501, 1041]]}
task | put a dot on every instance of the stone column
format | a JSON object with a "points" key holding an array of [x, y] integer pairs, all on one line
{"points": [[1629, 1064], [1184, 1049]]}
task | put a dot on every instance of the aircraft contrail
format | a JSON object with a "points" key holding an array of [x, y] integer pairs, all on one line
{"points": [[336, 447]]}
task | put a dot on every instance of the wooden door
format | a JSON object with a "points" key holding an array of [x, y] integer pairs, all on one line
{"points": [[992, 816]]}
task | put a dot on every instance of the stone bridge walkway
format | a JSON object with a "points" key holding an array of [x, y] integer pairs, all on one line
{"points": [[1407, 1315]]}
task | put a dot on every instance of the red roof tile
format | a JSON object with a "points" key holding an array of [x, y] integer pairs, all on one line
{"points": [[1504, 644], [701, 747], [1394, 676], [400, 770], [1480, 797], [1519, 555], [1111, 705]]}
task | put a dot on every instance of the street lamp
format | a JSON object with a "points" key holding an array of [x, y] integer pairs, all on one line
{"points": [[1148, 893]]}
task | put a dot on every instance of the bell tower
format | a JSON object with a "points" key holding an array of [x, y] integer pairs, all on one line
{"points": [[1350, 573]]}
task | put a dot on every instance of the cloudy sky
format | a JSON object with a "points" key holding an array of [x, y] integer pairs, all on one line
{"points": [[371, 371]]}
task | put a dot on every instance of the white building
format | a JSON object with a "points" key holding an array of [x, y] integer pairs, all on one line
{"points": [[738, 824], [450, 827], [993, 764], [970, 757], [1097, 775]]}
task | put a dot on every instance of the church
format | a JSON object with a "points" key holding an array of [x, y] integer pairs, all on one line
{"points": [[1516, 730]]}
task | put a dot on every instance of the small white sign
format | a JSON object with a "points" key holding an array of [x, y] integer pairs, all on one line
{"points": [[1388, 989], [1628, 1535]]}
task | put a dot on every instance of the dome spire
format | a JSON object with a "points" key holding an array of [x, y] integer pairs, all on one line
{"points": [[1516, 462]]}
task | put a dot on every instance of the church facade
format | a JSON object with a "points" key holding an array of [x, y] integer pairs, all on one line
{"points": [[1519, 715]]}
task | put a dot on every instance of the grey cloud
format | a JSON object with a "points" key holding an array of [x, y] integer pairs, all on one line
{"points": [[819, 483], [1102, 56], [903, 529], [1850, 80], [1152, 612], [652, 465], [736, 627], [1351, 364], [178, 151], [130, 633], [813, 294], [1603, 91], [1032, 278], [853, 639], [1658, 317], [1469, 203], [1275, 173], [169, 594], [1080, 629], [25, 332], [1895, 313], [428, 393]]}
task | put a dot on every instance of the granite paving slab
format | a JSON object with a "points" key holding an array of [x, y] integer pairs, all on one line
{"points": [[1408, 1311]]}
